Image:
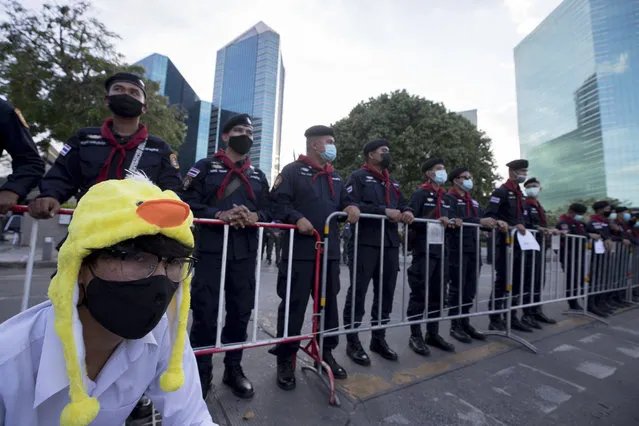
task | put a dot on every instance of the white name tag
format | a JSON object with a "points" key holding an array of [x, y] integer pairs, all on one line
{"points": [[555, 242], [435, 233]]}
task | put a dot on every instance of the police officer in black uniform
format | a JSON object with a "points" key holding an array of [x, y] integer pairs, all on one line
{"points": [[571, 223], [375, 192], [535, 218], [305, 193], [463, 266], [428, 202], [227, 187], [599, 224], [27, 166], [95, 154], [507, 206]]}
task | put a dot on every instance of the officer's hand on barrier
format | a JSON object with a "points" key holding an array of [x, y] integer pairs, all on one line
{"points": [[8, 199], [44, 208], [407, 217], [304, 226], [595, 236], [503, 226], [393, 214], [608, 245], [626, 242], [444, 220], [353, 214], [488, 222], [521, 228]]}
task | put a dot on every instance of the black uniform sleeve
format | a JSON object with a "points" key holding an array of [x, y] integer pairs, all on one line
{"points": [[169, 177], [345, 199], [283, 196], [194, 193], [354, 189], [264, 201], [494, 205], [64, 178], [416, 203], [27, 166], [402, 203]]}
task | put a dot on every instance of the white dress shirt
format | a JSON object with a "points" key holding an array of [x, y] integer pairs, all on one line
{"points": [[34, 387]]}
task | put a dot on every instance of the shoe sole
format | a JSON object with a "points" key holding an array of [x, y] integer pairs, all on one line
{"points": [[422, 353], [286, 387], [462, 340], [238, 394], [359, 361], [390, 358]]}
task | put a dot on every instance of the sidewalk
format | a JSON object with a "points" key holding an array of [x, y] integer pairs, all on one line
{"points": [[16, 257]]}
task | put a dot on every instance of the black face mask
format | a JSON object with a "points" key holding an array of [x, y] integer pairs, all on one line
{"points": [[607, 214], [125, 106], [241, 144], [386, 160], [129, 309]]}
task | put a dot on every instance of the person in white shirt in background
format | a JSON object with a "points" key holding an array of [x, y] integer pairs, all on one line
{"points": [[115, 325]]}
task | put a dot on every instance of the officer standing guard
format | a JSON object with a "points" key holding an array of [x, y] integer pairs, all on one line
{"points": [[305, 193], [95, 154], [507, 205], [229, 188], [26, 164], [463, 266], [571, 223], [535, 219], [375, 192], [599, 224], [428, 202]]}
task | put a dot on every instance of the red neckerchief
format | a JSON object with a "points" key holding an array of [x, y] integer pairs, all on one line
{"points": [[384, 177], [572, 221], [597, 218], [233, 169], [140, 136], [533, 202], [440, 191], [467, 200], [515, 188], [321, 171], [622, 225]]}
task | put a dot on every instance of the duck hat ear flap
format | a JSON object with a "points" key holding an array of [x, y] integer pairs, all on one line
{"points": [[63, 292], [173, 378]]}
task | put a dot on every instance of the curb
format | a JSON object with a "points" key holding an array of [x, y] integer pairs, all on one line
{"points": [[23, 265]]}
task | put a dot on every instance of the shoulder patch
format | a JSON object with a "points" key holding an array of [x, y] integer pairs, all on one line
{"points": [[495, 200], [564, 226], [349, 188], [21, 117], [65, 150], [193, 172], [278, 182], [174, 161]]}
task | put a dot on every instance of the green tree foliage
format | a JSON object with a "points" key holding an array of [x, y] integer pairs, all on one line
{"points": [[53, 63], [417, 129]]}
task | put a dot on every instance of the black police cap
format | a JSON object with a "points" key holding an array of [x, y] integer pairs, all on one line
{"points": [[456, 172], [620, 209], [127, 77], [600, 205], [531, 181], [237, 120], [518, 164], [430, 163], [373, 145], [319, 131], [578, 208]]}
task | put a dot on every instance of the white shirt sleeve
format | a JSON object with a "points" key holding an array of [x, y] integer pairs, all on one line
{"points": [[185, 406]]}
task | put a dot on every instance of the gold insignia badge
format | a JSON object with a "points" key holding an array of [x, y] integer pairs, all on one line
{"points": [[278, 182], [21, 117], [174, 161]]}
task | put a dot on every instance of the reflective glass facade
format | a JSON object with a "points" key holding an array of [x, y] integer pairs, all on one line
{"points": [[249, 78], [577, 77]]}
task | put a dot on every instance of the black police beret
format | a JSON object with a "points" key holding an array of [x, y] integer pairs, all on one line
{"points": [[620, 209], [318, 131], [237, 120], [531, 180], [518, 164], [456, 172], [600, 205], [430, 163], [373, 145], [126, 77], [578, 208]]}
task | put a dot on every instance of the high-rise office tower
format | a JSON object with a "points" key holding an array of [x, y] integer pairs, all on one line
{"points": [[249, 79], [577, 80]]}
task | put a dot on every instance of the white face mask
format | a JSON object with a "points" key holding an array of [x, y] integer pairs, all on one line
{"points": [[533, 192]]}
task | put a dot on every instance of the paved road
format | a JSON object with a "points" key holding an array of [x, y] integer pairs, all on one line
{"points": [[584, 373]]}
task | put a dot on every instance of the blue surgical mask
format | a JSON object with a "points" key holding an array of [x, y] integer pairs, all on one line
{"points": [[467, 184], [626, 217], [612, 216], [522, 178], [440, 177], [330, 153], [532, 192], [579, 217], [637, 225]]}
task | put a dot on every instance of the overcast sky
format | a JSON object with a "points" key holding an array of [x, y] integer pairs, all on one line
{"points": [[340, 52]]}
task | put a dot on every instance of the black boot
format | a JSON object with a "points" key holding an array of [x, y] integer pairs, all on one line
{"points": [[285, 373], [417, 344], [470, 330], [438, 341], [593, 309], [379, 346], [529, 321], [205, 382], [539, 316], [496, 323], [457, 332], [515, 324], [338, 370], [574, 305], [356, 352], [235, 379]]}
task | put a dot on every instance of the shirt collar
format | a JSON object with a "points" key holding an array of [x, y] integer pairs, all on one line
{"points": [[52, 375]]}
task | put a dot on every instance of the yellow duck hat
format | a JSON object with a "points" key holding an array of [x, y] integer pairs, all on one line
{"points": [[110, 212]]}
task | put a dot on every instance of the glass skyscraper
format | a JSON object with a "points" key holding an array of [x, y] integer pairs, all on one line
{"points": [[174, 86], [249, 79], [577, 81]]}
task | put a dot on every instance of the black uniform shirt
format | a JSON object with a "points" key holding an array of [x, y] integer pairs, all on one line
{"points": [[573, 227], [426, 203], [506, 203], [200, 192], [468, 210], [300, 191], [27, 166]]}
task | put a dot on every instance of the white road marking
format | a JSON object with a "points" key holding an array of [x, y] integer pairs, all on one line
{"points": [[396, 419], [475, 416], [626, 330], [566, 348], [505, 371], [595, 369], [568, 382], [592, 338], [631, 352], [552, 398], [501, 391]]}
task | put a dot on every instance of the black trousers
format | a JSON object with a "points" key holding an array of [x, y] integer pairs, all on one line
{"points": [[302, 285], [499, 294], [239, 297], [575, 275], [423, 275], [533, 282], [368, 264], [468, 284]]}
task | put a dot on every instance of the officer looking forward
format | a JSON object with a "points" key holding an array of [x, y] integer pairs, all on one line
{"points": [[229, 188]]}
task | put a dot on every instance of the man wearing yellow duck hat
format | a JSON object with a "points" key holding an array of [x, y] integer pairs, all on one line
{"points": [[88, 354]]}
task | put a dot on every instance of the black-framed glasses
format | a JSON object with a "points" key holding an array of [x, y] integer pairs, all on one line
{"points": [[125, 265]]}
